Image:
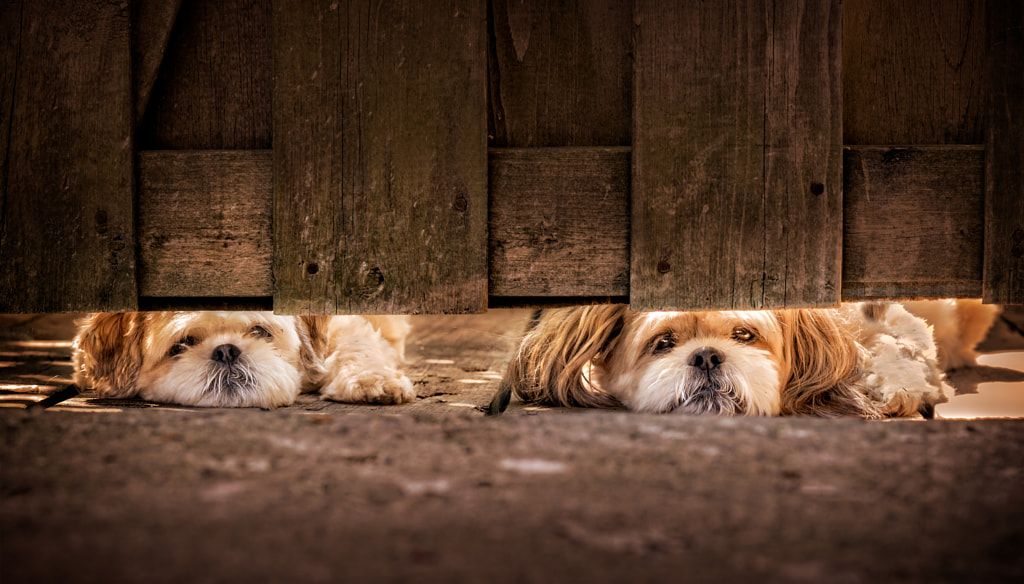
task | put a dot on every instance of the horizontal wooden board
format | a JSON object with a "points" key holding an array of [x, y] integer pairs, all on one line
{"points": [[205, 223], [913, 221], [559, 222], [559, 227]]}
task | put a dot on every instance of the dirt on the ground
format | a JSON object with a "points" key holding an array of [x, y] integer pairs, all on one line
{"points": [[126, 491]]}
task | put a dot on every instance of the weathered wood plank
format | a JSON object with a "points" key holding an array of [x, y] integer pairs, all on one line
{"points": [[698, 165], [214, 88], [66, 213], [152, 22], [913, 222], [560, 73], [205, 223], [802, 259], [1004, 154], [912, 72], [380, 160], [736, 155], [559, 222], [10, 40]]}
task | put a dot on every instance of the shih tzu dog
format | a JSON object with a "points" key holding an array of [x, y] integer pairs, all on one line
{"points": [[242, 359], [871, 360]]}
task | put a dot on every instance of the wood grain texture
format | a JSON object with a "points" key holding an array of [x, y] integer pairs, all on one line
{"points": [[736, 155], [205, 223], [1004, 154], [913, 222], [913, 225], [803, 155], [380, 160], [560, 73], [698, 167], [912, 72], [214, 87], [559, 222], [66, 214], [152, 22]]}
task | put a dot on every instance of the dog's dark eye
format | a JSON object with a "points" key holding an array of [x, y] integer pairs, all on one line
{"points": [[182, 345], [663, 344], [743, 335], [260, 332]]}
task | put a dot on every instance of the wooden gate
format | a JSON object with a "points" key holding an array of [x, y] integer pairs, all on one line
{"points": [[446, 156]]}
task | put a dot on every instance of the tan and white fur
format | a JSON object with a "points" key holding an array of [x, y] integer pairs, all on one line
{"points": [[242, 359], [958, 325], [871, 360]]}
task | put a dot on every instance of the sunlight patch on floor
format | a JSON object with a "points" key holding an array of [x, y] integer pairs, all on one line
{"points": [[994, 399]]}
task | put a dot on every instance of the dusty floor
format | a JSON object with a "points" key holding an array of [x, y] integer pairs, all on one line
{"points": [[124, 491]]}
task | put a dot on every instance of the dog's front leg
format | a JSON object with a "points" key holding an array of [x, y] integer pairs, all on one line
{"points": [[363, 367]]}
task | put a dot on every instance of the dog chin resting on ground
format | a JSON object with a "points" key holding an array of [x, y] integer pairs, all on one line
{"points": [[242, 359], [871, 360]]}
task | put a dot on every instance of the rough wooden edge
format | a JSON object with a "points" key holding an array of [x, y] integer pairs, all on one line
{"points": [[153, 21]]}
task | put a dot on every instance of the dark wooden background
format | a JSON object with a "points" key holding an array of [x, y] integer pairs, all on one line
{"points": [[447, 156]]}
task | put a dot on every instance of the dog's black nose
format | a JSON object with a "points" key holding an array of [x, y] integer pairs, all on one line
{"points": [[226, 354], [706, 358]]}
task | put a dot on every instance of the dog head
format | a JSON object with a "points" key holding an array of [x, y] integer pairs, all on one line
{"points": [[217, 359], [722, 362]]}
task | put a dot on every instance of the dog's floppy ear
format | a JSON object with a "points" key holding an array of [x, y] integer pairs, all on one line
{"points": [[823, 362], [312, 349], [107, 353], [553, 359]]}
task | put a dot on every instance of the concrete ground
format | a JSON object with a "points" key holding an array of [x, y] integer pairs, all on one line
{"points": [[125, 491]]}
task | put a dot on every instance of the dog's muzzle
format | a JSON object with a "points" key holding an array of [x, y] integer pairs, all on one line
{"points": [[706, 389]]}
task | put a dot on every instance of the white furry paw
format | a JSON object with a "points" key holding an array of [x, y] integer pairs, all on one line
{"points": [[370, 387]]}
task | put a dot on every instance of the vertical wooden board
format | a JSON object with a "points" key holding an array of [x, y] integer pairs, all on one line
{"points": [[66, 229], [698, 234], [204, 223], [213, 90], [559, 73], [803, 156], [10, 40], [380, 160], [1004, 154], [912, 71], [152, 22]]}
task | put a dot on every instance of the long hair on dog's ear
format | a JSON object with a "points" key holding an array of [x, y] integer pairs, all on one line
{"points": [[312, 349], [554, 358], [824, 365], [107, 353]]}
